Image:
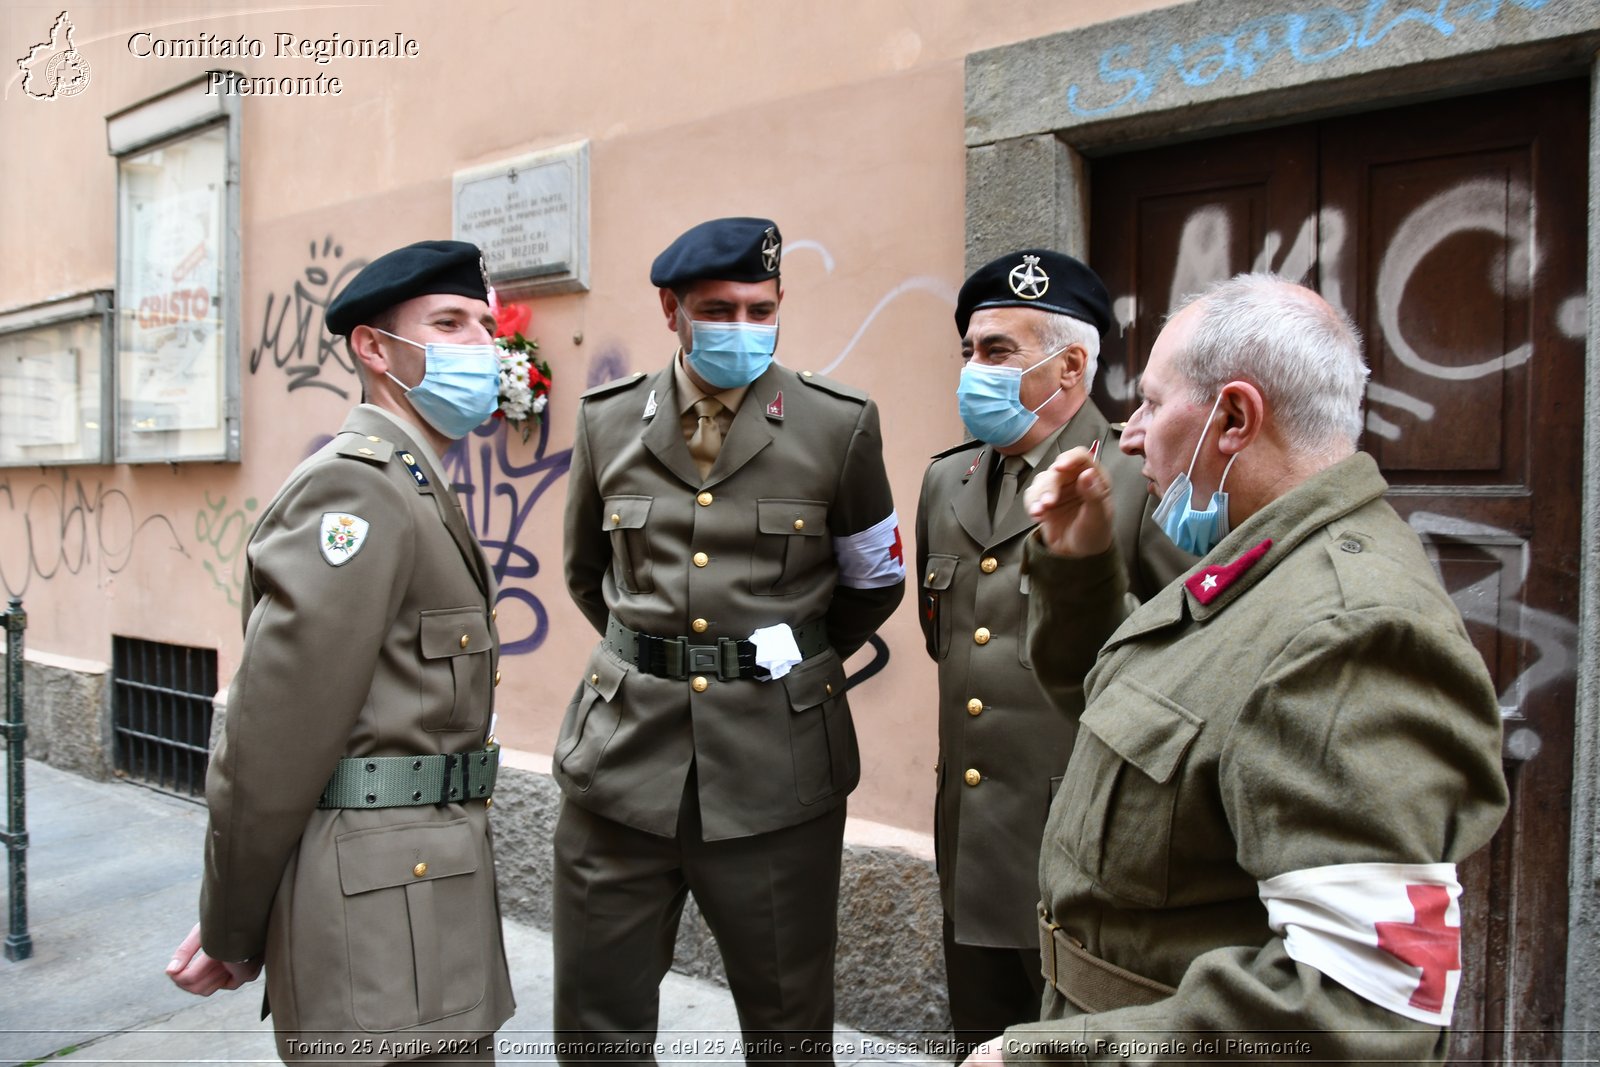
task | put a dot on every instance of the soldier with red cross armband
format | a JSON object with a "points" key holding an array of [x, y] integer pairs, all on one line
{"points": [[731, 537], [1282, 757]]}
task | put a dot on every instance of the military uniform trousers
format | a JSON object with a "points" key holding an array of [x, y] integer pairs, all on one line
{"points": [[771, 900]]}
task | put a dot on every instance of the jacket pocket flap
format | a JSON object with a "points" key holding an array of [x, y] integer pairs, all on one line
{"points": [[625, 512], [941, 571], [397, 855], [605, 674], [1143, 727], [816, 681], [808, 518], [454, 632]]}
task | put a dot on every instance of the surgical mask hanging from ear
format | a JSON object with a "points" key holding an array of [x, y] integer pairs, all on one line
{"points": [[727, 355], [460, 385], [990, 401], [1195, 531]]}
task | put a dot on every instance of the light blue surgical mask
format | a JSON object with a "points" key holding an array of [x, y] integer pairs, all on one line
{"points": [[460, 385], [727, 355], [990, 399], [1195, 531]]}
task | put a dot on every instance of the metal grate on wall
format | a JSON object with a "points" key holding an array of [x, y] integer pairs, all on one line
{"points": [[161, 712]]}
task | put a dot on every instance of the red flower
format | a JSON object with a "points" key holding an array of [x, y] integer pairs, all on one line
{"points": [[511, 319]]}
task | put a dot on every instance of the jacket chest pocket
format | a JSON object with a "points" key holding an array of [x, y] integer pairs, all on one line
{"points": [[624, 520], [457, 669], [417, 920], [1121, 790], [792, 542], [936, 607]]}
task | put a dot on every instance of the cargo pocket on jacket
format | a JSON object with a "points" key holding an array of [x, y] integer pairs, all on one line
{"points": [[1122, 789], [792, 542], [592, 719], [457, 674], [416, 911], [936, 611], [821, 735], [624, 519]]}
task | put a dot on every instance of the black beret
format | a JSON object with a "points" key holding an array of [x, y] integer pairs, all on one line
{"points": [[1036, 278], [730, 250], [423, 269]]}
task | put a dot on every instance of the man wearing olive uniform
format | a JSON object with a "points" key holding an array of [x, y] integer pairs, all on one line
{"points": [[348, 843], [1030, 320], [1282, 757], [730, 534]]}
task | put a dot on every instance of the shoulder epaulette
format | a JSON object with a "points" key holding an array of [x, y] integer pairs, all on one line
{"points": [[615, 385], [955, 449], [828, 385], [372, 449]]}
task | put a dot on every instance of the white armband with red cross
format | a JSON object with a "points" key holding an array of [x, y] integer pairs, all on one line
{"points": [[873, 558], [1389, 932]]}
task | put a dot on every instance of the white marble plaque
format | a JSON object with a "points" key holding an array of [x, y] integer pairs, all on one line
{"points": [[530, 215]]}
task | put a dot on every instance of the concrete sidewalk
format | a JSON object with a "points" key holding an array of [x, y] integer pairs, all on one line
{"points": [[113, 884]]}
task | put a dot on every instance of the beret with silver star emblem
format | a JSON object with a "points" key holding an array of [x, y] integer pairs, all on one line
{"points": [[1036, 278], [731, 250], [426, 268]]}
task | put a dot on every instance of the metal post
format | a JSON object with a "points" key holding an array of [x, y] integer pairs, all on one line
{"points": [[19, 946]]}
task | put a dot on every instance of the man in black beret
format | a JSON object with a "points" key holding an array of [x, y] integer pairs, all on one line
{"points": [[348, 845], [1030, 324], [731, 537]]}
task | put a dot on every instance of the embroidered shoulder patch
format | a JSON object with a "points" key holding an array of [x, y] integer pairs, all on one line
{"points": [[342, 536]]}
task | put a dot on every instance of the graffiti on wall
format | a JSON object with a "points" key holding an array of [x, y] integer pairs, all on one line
{"points": [[223, 532], [1130, 72], [293, 337], [69, 525]]}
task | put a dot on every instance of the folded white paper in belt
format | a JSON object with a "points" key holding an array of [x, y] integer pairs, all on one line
{"points": [[775, 649]]}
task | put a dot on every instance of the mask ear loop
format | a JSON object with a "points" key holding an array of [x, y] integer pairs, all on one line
{"points": [[1036, 366], [1189, 474], [407, 340]]}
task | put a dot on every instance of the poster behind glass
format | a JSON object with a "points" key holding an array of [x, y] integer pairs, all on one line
{"points": [[171, 255], [50, 395]]}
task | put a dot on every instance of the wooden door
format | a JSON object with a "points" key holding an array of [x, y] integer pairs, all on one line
{"points": [[1453, 234]]}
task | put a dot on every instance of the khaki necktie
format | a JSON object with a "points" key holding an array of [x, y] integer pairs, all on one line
{"points": [[706, 441], [1011, 474]]}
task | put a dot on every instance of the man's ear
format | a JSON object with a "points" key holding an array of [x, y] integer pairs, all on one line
{"points": [[1244, 416], [1074, 358], [363, 342], [669, 307]]}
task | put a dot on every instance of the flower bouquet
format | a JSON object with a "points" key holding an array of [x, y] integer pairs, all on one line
{"points": [[524, 377]]}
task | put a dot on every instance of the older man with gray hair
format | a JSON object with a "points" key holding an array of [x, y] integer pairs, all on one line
{"points": [[1282, 757]]}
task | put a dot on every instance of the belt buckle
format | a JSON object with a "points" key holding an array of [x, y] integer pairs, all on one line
{"points": [[704, 659]]}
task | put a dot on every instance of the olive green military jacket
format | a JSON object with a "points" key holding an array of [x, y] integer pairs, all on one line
{"points": [[368, 637], [1317, 704], [756, 542], [993, 718]]}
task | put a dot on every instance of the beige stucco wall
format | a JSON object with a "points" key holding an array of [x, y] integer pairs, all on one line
{"points": [[842, 120]]}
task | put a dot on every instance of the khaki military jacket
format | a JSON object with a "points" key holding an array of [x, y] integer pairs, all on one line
{"points": [[384, 647], [993, 718], [750, 545], [1325, 707]]}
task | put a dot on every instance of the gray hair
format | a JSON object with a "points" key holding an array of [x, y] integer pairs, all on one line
{"points": [[1303, 353], [1058, 331]]}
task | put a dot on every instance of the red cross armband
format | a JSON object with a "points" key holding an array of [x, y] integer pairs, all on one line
{"points": [[1389, 932], [873, 558]]}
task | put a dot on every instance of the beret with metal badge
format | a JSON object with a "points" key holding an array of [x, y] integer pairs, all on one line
{"points": [[423, 269], [1036, 278], [733, 250]]}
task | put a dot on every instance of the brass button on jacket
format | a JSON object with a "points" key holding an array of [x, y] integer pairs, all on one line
{"points": [[699, 626], [419, 870], [972, 777], [701, 559], [981, 635], [700, 685], [465, 640], [989, 565], [704, 500], [974, 706]]}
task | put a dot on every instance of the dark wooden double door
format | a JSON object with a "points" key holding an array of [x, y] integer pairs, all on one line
{"points": [[1453, 234]]}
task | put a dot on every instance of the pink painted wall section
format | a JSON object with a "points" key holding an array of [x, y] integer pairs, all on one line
{"points": [[842, 121]]}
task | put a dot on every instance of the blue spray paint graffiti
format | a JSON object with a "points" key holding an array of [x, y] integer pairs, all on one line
{"points": [[1314, 35], [498, 503]]}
